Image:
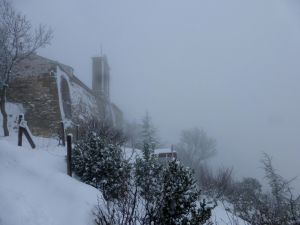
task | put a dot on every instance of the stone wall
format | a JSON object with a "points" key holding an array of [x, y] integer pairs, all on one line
{"points": [[34, 85], [39, 97]]}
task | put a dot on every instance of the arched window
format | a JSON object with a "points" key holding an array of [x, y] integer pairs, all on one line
{"points": [[66, 98]]}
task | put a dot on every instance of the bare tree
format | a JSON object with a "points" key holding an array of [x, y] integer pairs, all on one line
{"points": [[122, 212], [195, 146], [285, 206], [215, 184], [18, 40], [276, 206]]}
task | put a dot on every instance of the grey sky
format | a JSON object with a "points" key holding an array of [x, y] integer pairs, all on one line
{"points": [[231, 67]]}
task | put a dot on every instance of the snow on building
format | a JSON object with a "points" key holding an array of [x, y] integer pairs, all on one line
{"points": [[50, 93], [165, 154]]}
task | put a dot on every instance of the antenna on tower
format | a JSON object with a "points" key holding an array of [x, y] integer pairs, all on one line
{"points": [[101, 50]]}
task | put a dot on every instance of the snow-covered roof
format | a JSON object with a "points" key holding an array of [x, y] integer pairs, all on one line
{"points": [[36, 65], [163, 150]]}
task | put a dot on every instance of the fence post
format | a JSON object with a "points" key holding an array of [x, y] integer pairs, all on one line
{"points": [[69, 154], [23, 129], [63, 136], [20, 134], [20, 130], [21, 117], [28, 136]]}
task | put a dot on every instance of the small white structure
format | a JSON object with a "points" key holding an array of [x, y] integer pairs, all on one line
{"points": [[166, 154]]}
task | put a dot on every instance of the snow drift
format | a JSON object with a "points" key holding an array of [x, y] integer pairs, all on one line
{"points": [[35, 190]]}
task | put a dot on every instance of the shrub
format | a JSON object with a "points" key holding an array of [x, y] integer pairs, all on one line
{"points": [[100, 163], [175, 202], [276, 207], [179, 197], [148, 174], [215, 184]]}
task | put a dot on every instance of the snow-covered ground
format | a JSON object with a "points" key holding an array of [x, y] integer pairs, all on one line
{"points": [[35, 189], [221, 217]]}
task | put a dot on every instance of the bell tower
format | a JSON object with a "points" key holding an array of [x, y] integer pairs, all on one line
{"points": [[101, 76]]}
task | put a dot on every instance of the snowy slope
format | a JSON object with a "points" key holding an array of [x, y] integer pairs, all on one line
{"points": [[35, 190], [221, 217]]}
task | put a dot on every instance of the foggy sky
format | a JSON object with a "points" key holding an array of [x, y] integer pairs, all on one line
{"points": [[231, 67]]}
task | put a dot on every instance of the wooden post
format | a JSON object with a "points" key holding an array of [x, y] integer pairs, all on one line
{"points": [[21, 117], [63, 136], [20, 130], [20, 134], [69, 154], [25, 131]]}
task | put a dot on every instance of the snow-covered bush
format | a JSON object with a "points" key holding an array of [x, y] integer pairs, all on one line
{"points": [[180, 198], [103, 129], [150, 194], [148, 174], [100, 163], [172, 196], [172, 199]]}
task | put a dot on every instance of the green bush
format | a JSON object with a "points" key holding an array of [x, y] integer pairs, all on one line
{"points": [[101, 164]]}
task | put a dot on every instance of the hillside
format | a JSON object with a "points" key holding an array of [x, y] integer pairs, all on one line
{"points": [[35, 190]]}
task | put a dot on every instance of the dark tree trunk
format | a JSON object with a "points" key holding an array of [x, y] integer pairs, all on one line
{"points": [[3, 110]]}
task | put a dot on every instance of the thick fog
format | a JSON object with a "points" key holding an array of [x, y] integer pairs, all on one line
{"points": [[231, 67]]}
